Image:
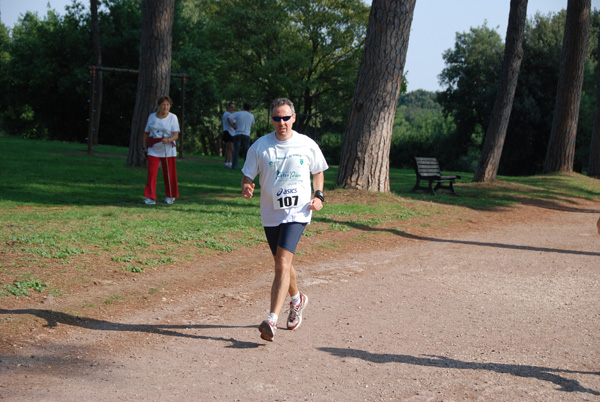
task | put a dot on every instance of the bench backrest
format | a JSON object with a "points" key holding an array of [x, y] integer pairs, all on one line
{"points": [[427, 166]]}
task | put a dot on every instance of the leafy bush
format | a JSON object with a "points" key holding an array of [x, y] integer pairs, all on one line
{"points": [[425, 132], [331, 145]]}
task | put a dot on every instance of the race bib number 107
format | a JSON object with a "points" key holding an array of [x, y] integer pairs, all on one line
{"points": [[284, 198]]}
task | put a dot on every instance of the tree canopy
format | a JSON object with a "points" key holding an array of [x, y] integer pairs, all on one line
{"points": [[471, 77], [231, 50], [245, 52]]}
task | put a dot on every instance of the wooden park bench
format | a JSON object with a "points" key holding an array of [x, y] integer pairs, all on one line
{"points": [[429, 169]]}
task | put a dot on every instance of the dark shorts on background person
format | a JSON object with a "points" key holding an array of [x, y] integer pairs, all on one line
{"points": [[227, 137], [286, 236]]}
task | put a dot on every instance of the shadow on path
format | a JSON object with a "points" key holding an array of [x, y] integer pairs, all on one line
{"points": [[541, 373], [53, 318], [497, 245]]}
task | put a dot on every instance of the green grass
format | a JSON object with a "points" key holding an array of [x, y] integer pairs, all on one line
{"points": [[20, 288], [506, 191], [58, 205]]}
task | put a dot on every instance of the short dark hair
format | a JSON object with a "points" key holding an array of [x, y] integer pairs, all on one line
{"points": [[229, 104], [281, 102], [246, 106], [164, 98]]}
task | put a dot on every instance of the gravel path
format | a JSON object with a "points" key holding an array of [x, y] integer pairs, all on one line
{"points": [[503, 311]]}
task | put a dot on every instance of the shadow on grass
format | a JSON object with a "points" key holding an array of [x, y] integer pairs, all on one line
{"points": [[53, 318], [556, 206], [518, 370], [406, 235], [63, 174], [551, 191]]}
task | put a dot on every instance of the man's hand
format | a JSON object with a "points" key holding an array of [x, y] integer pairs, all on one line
{"points": [[247, 190], [315, 204]]}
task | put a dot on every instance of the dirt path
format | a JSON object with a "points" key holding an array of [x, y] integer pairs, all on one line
{"points": [[507, 310]]}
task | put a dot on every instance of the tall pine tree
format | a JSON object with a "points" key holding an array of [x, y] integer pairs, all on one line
{"points": [[154, 71], [364, 163], [560, 154]]}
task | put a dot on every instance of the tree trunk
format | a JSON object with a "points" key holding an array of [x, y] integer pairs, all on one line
{"points": [[594, 168], [154, 71], [513, 55], [365, 161], [97, 49], [560, 154]]}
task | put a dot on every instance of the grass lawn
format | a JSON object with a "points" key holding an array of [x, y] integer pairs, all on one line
{"points": [[66, 215]]}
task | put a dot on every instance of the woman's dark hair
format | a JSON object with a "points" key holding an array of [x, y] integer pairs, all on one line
{"points": [[164, 98]]}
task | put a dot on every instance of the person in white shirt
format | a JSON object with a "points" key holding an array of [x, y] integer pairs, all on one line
{"points": [[241, 139], [285, 161], [160, 134], [229, 127]]}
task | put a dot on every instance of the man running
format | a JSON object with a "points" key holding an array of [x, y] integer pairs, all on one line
{"points": [[285, 160]]}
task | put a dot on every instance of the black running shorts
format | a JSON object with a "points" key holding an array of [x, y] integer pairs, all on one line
{"points": [[286, 236], [227, 137]]}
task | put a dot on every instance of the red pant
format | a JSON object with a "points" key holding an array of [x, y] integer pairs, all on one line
{"points": [[171, 189]]}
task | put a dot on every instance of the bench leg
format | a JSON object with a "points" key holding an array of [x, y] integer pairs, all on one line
{"points": [[451, 185], [431, 189]]}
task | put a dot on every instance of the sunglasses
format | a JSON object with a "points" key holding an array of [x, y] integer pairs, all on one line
{"points": [[277, 119]]}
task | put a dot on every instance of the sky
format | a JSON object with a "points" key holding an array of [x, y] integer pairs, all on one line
{"points": [[434, 27]]}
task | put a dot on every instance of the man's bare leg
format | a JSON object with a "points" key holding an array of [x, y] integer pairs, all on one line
{"points": [[285, 279]]}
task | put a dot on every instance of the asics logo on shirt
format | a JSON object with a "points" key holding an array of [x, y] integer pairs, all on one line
{"points": [[287, 191]]}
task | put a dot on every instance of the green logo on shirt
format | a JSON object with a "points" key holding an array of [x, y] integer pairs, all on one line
{"points": [[288, 175]]}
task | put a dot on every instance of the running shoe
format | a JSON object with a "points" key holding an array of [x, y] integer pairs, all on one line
{"points": [[267, 330], [295, 317], [169, 200], [149, 201]]}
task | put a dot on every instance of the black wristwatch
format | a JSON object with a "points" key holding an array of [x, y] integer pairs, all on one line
{"points": [[319, 194]]}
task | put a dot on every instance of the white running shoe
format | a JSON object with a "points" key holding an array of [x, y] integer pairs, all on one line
{"points": [[169, 200], [295, 317], [267, 330], [149, 201]]}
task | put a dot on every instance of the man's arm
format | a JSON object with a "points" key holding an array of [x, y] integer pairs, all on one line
{"points": [[316, 204]]}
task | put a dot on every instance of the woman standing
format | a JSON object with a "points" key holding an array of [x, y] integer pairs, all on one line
{"points": [[160, 134]]}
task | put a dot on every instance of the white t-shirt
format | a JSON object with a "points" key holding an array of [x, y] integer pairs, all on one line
{"points": [[226, 126], [285, 169], [162, 128], [243, 121]]}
